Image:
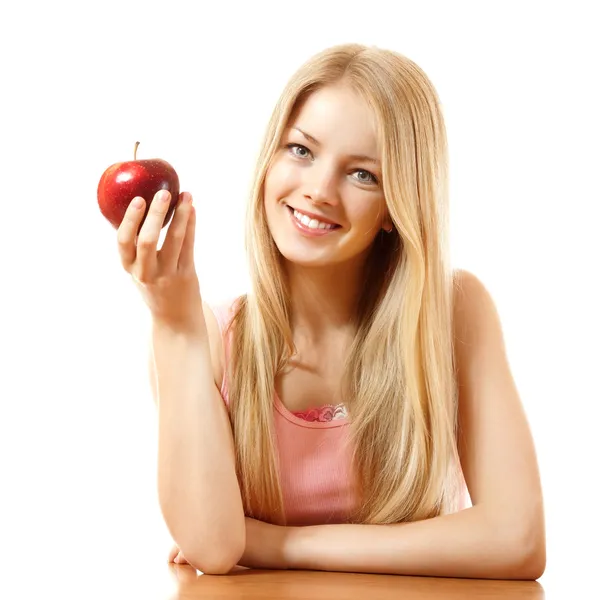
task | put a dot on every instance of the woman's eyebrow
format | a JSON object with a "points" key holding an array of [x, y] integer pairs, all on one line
{"points": [[361, 157]]}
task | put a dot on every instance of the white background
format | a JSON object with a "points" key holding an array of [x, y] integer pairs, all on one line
{"points": [[195, 83]]}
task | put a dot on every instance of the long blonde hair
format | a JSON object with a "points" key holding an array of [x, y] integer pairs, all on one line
{"points": [[398, 381]]}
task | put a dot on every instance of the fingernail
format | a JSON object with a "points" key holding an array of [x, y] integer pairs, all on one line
{"points": [[165, 196]]}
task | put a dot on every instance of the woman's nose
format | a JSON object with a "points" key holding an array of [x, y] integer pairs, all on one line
{"points": [[321, 186]]}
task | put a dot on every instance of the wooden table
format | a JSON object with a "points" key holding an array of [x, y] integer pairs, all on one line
{"points": [[317, 585]]}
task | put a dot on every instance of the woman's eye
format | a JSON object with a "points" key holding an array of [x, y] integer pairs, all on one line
{"points": [[370, 178], [300, 151], [300, 147]]}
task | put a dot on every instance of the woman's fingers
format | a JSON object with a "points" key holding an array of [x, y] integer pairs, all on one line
{"points": [[173, 554], [147, 241], [127, 231], [171, 248], [176, 557], [186, 256], [180, 560]]}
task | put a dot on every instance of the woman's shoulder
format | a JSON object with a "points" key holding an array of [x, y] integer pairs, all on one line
{"points": [[217, 315], [223, 310]]}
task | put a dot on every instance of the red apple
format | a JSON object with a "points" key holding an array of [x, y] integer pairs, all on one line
{"points": [[123, 181]]}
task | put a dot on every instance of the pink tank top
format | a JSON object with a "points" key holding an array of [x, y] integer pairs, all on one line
{"points": [[314, 457], [315, 465]]}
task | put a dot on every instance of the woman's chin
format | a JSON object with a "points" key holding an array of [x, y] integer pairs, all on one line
{"points": [[303, 259], [302, 256]]}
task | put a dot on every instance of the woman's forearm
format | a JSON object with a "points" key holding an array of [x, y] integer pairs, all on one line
{"points": [[464, 544], [197, 485]]}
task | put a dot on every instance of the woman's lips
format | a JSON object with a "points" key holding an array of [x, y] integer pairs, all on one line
{"points": [[314, 216], [307, 231]]}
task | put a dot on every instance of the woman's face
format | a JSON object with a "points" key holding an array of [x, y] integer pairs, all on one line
{"points": [[326, 168]]}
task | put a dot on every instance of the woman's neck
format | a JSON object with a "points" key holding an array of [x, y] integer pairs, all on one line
{"points": [[323, 301]]}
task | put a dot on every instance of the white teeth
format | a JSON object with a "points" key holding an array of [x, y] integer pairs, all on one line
{"points": [[311, 223]]}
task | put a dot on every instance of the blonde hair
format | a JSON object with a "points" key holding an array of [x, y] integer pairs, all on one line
{"points": [[398, 381]]}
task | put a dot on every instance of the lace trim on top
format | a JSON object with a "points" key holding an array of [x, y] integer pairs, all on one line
{"points": [[323, 414]]}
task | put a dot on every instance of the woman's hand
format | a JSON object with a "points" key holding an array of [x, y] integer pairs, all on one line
{"points": [[175, 556], [167, 278]]}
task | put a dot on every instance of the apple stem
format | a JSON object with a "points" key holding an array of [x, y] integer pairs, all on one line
{"points": [[135, 150]]}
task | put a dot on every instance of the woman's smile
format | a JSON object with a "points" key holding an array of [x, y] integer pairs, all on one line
{"points": [[310, 227]]}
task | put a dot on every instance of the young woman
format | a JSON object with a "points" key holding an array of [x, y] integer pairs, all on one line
{"points": [[355, 411]]}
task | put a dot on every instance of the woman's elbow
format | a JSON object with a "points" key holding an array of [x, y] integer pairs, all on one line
{"points": [[533, 565], [529, 555], [218, 558], [213, 565]]}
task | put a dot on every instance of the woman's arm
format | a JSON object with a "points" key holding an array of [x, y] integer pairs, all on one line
{"points": [[197, 485], [502, 536], [465, 544]]}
